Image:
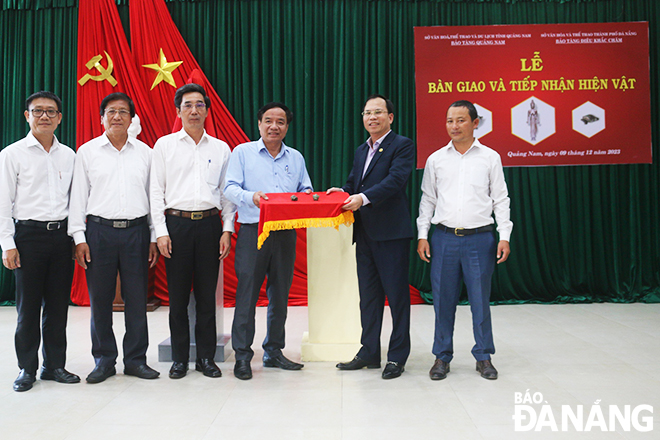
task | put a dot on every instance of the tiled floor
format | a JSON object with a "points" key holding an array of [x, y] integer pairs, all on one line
{"points": [[572, 354]]}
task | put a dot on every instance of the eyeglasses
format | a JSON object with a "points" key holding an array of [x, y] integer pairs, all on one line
{"points": [[111, 112], [39, 112], [378, 112], [189, 106]]}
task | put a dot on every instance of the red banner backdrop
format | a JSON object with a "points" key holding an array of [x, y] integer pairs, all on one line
{"points": [[555, 94]]}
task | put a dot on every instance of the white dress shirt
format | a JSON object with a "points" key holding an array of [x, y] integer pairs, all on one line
{"points": [[109, 183], [463, 190], [34, 184], [189, 177]]}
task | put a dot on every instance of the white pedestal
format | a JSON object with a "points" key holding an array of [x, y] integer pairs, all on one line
{"points": [[332, 296], [223, 346]]}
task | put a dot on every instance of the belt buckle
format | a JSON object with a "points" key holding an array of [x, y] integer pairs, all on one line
{"points": [[457, 234], [196, 215], [52, 226], [119, 224]]}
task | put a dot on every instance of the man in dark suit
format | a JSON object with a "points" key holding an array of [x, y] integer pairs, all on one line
{"points": [[382, 234]]}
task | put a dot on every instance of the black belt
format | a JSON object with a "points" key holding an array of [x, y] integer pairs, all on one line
{"points": [[117, 224], [50, 226], [460, 232], [192, 215]]}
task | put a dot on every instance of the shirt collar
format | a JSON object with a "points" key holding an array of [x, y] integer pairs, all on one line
{"points": [[262, 147], [33, 142], [183, 135], [378, 142], [475, 145], [106, 141]]}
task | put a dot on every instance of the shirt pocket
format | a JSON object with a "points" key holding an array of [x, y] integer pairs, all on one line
{"points": [[137, 173], [65, 182], [213, 175], [479, 177]]}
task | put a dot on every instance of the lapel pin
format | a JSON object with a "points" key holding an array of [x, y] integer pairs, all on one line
{"points": [[380, 150]]}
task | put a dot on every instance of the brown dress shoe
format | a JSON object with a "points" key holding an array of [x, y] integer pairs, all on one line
{"points": [[439, 370], [487, 369]]}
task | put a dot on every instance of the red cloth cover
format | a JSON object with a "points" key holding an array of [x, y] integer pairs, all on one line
{"points": [[280, 212]]}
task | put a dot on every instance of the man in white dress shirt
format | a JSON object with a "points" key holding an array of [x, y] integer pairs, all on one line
{"points": [[463, 185], [109, 222], [35, 179], [187, 181]]}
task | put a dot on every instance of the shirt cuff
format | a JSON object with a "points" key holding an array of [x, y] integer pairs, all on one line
{"points": [[79, 237], [8, 244], [365, 199], [228, 225], [161, 230], [248, 198]]}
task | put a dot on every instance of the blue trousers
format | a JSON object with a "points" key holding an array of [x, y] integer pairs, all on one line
{"points": [[470, 259]]}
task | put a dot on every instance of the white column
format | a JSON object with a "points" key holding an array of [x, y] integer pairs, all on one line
{"points": [[332, 296]]}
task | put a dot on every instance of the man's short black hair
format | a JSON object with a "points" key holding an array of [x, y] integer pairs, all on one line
{"points": [[388, 104], [190, 88], [44, 94], [472, 111], [265, 108], [118, 96]]}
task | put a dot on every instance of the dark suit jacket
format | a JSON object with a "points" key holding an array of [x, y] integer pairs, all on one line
{"points": [[387, 216]]}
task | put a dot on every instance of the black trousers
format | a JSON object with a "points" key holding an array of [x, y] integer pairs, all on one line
{"points": [[126, 251], [382, 268], [275, 260], [44, 279], [194, 263]]}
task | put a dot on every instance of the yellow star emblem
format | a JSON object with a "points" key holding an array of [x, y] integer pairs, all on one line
{"points": [[164, 70]]}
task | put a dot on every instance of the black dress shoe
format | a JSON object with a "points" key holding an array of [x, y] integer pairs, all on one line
{"points": [[439, 370], [99, 374], [143, 371], [178, 370], [280, 361], [393, 370], [487, 370], [24, 381], [59, 375], [243, 370], [357, 364], [208, 368]]}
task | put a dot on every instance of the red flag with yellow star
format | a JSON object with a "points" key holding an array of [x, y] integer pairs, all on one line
{"points": [[106, 65], [166, 64]]}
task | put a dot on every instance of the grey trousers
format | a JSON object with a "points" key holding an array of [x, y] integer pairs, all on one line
{"points": [[274, 260]]}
